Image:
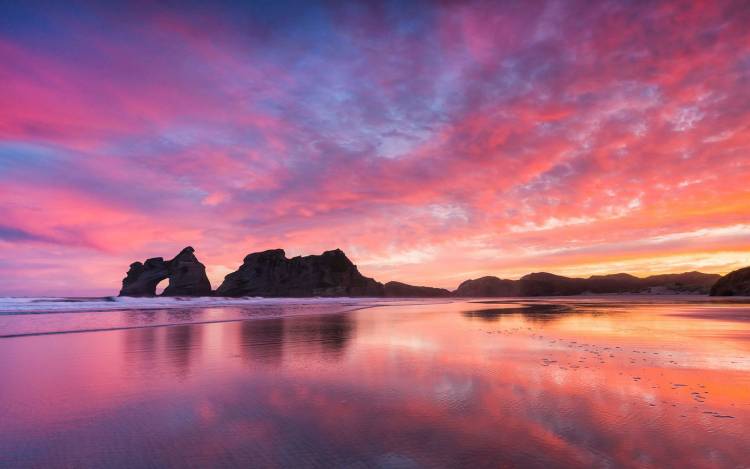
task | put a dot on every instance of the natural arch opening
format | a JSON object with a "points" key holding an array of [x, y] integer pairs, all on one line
{"points": [[161, 286]]}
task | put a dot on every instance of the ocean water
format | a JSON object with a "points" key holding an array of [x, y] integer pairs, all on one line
{"points": [[611, 381]]}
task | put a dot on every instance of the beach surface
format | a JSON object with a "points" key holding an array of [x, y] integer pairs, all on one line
{"points": [[607, 381]]}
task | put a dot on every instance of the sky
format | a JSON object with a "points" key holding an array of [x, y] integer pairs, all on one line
{"points": [[431, 141]]}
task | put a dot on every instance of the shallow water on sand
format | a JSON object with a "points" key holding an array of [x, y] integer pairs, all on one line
{"points": [[603, 382]]}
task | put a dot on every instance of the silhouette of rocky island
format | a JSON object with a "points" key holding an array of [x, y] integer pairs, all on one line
{"points": [[331, 274], [270, 273]]}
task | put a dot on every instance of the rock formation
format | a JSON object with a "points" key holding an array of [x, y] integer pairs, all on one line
{"points": [[187, 276], [404, 290], [270, 273], [142, 278], [735, 283]]}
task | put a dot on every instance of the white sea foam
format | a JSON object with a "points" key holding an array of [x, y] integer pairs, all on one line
{"points": [[33, 305]]}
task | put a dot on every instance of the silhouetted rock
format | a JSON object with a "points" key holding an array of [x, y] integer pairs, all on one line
{"points": [[487, 286], [187, 276], [142, 278], [270, 273], [735, 283], [404, 290]]}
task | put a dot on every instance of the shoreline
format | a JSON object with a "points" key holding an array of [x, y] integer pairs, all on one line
{"points": [[52, 305]]}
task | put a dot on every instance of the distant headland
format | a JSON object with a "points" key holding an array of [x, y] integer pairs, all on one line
{"points": [[271, 274]]}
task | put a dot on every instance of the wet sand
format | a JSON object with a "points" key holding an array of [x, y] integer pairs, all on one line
{"points": [[544, 383]]}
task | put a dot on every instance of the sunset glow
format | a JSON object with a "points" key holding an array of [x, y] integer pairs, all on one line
{"points": [[432, 142]]}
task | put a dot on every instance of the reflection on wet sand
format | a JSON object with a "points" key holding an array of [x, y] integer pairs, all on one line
{"points": [[326, 336], [449, 385], [140, 347], [182, 343], [170, 348], [262, 341], [265, 342], [270, 341]]}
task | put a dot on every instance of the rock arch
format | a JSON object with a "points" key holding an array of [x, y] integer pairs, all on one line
{"points": [[187, 276]]}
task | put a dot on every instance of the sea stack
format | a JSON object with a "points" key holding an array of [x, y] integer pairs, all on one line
{"points": [[187, 276], [271, 274]]}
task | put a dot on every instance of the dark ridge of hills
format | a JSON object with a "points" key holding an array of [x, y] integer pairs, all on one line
{"points": [[546, 284]]}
